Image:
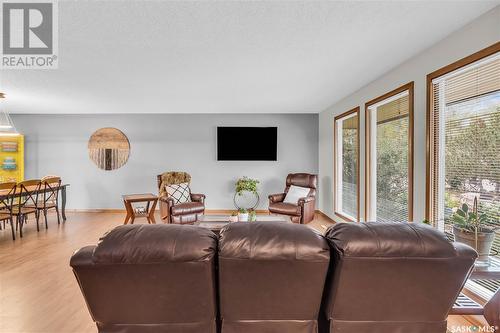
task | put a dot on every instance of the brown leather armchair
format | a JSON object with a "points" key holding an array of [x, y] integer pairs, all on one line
{"points": [[303, 211], [184, 213], [393, 277], [150, 278]]}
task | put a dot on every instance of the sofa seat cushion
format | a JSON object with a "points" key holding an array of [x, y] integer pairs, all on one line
{"points": [[188, 208], [284, 208], [142, 244]]}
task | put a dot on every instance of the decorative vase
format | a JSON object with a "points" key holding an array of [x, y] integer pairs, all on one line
{"points": [[485, 240], [233, 218], [243, 217]]}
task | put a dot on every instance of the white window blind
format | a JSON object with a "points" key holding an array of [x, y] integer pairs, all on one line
{"points": [[389, 166], [465, 144]]}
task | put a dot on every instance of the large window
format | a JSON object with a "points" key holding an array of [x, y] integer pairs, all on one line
{"points": [[463, 159], [346, 165], [389, 157]]}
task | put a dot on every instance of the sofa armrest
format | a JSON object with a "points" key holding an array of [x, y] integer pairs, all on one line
{"points": [[307, 206], [278, 197], [465, 251], [198, 197], [83, 257]]}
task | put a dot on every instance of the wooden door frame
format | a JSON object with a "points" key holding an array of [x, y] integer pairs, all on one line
{"points": [[410, 88], [336, 118], [429, 142]]}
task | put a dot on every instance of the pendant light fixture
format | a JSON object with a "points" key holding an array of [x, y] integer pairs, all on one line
{"points": [[7, 127]]}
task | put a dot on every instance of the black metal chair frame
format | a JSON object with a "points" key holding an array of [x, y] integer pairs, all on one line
{"points": [[6, 203], [51, 187], [27, 199]]}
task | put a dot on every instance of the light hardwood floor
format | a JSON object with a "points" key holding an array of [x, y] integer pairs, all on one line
{"points": [[38, 292]]}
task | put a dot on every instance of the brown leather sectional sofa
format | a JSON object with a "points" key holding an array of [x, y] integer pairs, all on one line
{"points": [[272, 277]]}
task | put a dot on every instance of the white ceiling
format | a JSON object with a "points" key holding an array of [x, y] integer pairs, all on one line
{"points": [[226, 57]]}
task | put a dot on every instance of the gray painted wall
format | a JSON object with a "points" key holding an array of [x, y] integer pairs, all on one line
{"points": [[475, 36], [57, 144]]}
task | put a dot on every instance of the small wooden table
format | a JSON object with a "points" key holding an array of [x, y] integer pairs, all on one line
{"points": [[146, 198]]}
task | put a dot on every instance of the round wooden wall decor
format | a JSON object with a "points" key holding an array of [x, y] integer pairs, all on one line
{"points": [[109, 148]]}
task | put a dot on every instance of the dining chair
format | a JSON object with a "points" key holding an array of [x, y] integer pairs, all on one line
{"points": [[49, 197], [7, 191], [28, 192]]}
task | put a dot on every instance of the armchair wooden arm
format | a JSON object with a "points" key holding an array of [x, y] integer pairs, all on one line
{"points": [[168, 200], [197, 197], [165, 204]]}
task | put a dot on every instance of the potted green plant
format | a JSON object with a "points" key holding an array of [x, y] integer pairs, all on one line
{"points": [[471, 228], [246, 193], [242, 215], [233, 217], [246, 184]]}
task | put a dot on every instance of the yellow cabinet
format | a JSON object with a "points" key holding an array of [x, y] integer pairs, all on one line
{"points": [[11, 158]]}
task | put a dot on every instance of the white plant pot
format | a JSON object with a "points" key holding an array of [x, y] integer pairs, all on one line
{"points": [[243, 217]]}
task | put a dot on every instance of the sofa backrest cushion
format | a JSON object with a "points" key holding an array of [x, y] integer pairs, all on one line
{"points": [[272, 241], [150, 278], [271, 277], [390, 240], [144, 244]]}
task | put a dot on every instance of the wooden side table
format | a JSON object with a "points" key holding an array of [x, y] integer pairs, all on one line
{"points": [[148, 198]]}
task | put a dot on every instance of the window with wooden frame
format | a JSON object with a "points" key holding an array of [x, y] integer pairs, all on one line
{"points": [[463, 144], [389, 156], [346, 165]]}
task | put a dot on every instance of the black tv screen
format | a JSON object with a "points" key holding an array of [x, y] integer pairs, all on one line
{"points": [[247, 143]]}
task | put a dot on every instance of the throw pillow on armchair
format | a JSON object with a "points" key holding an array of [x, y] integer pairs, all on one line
{"points": [[181, 193], [295, 193]]}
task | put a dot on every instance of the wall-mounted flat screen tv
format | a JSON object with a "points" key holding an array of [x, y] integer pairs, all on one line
{"points": [[247, 143]]}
